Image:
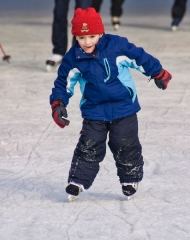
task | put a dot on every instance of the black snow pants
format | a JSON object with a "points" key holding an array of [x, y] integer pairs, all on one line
{"points": [[91, 149], [178, 9]]}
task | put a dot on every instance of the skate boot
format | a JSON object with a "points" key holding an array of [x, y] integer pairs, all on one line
{"points": [[74, 189], [175, 24], [129, 189], [53, 63], [115, 22]]}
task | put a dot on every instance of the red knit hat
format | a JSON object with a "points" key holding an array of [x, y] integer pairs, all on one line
{"points": [[86, 22]]}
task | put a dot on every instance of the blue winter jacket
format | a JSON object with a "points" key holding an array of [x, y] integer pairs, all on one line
{"points": [[107, 87]]}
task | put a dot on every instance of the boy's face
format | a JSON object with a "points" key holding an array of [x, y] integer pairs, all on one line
{"points": [[88, 42]]}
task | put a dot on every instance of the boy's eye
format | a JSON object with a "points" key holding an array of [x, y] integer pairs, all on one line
{"points": [[92, 36]]}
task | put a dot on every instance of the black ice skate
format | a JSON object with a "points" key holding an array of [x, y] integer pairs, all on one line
{"points": [[53, 63], [74, 189], [129, 189]]}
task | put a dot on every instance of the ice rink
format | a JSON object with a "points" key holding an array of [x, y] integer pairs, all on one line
{"points": [[35, 154]]}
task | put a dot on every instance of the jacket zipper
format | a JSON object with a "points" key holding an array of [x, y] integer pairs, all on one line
{"points": [[107, 67]]}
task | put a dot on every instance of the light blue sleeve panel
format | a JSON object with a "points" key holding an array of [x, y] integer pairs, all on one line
{"points": [[72, 79], [125, 61], [75, 76], [82, 83], [123, 64]]}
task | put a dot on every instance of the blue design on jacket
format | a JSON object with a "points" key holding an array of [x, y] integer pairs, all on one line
{"points": [[107, 87]]}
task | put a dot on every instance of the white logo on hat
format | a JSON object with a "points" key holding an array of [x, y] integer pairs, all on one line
{"points": [[84, 27]]}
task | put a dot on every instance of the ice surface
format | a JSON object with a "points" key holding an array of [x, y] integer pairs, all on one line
{"points": [[35, 154]]}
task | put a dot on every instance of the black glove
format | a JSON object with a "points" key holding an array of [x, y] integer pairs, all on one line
{"points": [[162, 79], [59, 113]]}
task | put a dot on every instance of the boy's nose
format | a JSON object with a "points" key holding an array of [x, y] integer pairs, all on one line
{"points": [[87, 41]]}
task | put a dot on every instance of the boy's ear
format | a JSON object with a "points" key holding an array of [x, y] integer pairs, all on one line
{"points": [[101, 34]]}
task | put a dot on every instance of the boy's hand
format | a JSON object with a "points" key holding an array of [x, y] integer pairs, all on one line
{"points": [[162, 79], [59, 113]]}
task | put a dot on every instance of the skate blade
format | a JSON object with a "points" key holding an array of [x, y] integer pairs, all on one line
{"points": [[116, 26], [129, 197], [72, 198], [174, 28]]}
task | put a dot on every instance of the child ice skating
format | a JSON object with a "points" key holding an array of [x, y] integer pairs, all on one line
{"points": [[100, 63]]}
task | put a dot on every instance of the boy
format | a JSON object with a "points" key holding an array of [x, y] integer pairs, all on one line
{"points": [[109, 103]]}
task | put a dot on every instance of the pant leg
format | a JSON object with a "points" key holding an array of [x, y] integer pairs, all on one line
{"points": [[89, 152], [116, 7], [59, 27], [97, 4], [178, 9], [126, 148], [83, 4]]}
